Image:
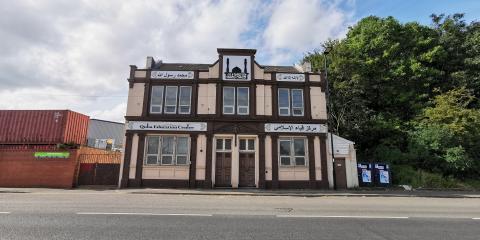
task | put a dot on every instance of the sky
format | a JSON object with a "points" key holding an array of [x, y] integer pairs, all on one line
{"points": [[75, 54]]}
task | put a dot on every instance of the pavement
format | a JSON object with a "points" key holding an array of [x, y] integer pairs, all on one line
{"points": [[228, 214]]}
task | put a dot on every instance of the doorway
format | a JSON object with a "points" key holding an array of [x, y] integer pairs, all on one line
{"points": [[340, 173], [223, 162], [246, 163]]}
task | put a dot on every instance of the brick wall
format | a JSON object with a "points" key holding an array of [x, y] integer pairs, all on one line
{"points": [[19, 168]]}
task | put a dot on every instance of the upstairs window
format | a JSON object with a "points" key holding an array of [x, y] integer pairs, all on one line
{"points": [[236, 100], [171, 99], [290, 102]]}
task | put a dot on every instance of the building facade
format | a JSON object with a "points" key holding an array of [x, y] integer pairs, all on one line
{"points": [[233, 123]]}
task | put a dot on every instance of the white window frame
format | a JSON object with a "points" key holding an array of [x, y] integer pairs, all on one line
{"points": [[230, 106], [247, 145], [170, 105], [189, 100], [238, 102], [174, 155], [292, 155], [278, 102], [222, 149], [303, 104], [157, 105]]}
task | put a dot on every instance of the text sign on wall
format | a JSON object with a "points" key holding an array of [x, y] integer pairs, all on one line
{"points": [[295, 128], [236, 68], [51, 154], [167, 126], [172, 75], [290, 77]]}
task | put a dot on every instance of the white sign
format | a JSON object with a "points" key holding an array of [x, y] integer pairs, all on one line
{"points": [[167, 126], [384, 177], [290, 77], [236, 68], [366, 176], [172, 75], [295, 128]]}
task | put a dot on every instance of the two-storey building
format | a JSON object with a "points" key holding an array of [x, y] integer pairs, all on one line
{"points": [[233, 123]]}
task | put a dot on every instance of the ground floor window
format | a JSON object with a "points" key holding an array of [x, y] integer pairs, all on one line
{"points": [[292, 151], [167, 150]]}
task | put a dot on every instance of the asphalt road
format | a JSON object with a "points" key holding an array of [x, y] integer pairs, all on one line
{"points": [[117, 215]]}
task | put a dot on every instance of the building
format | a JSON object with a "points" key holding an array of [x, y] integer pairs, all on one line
{"points": [[105, 134], [346, 175], [233, 123]]}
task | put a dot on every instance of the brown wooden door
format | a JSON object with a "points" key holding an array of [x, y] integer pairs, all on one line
{"points": [[247, 170], [340, 173], [223, 169]]}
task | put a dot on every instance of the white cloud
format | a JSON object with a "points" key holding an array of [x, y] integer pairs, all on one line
{"points": [[60, 54]]}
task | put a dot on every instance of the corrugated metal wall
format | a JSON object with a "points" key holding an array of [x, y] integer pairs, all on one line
{"points": [[42, 127]]}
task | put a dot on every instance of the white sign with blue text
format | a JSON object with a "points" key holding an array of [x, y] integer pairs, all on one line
{"points": [[295, 128], [167, 126]]}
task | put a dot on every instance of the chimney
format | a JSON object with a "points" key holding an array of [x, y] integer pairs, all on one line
{"points": [[307, 67], [150, 62]]}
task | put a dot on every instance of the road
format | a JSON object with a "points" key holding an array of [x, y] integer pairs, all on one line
{"points": [[120, 215]]}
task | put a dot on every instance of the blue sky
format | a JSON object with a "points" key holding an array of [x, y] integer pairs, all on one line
{"points": [[75, 55], [417, 10]]}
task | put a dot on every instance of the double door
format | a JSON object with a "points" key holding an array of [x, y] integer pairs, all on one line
{"points": [[246, 162]]}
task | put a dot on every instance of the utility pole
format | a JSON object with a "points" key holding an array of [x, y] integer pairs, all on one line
{"points": [[329, 112]]}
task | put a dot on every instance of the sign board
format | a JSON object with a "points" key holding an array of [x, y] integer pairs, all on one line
{"points": [[384, 176], [51, 154], [290, 77], [366, 176], [167, 126], [237, 68], [295, 128], [172, 75]]}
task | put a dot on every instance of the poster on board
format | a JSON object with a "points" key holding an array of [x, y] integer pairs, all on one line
{"points": [[366, 176], [384, 176]]}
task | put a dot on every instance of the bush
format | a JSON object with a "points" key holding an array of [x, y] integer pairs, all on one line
{"points": [[407, 175]]}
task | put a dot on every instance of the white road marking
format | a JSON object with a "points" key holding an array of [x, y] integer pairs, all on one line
{"points": [[144, 214], [4, 212], [476, 218], [323, 216]]}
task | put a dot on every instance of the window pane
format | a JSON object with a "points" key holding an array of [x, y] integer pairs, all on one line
{"points": [[300, 161], [171, 99], [219, 144], [182, 145], [157, 99], [184, 99], [284, 111], [251, 144], [242, 100], [152, 159], [167, 145], [243, 144], [283, 98], [167, 159], [228, 144], [228, 100], [182, 160], [285, 161], [228, 110], [299, 147], [297, 98], [152, 145], [284, 148]]}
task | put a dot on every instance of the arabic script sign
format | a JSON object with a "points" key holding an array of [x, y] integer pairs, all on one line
{"points": [[291, 77], [167, 126], [172, 75], [295, 128]]}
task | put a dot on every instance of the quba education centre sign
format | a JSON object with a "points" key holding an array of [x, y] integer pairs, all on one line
{"points": [[167, 126]]}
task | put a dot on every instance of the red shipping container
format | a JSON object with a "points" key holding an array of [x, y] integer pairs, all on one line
{"points": [[42, 127]]}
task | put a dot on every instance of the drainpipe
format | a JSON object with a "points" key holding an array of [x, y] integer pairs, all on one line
{"points": [[329, 110]]}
